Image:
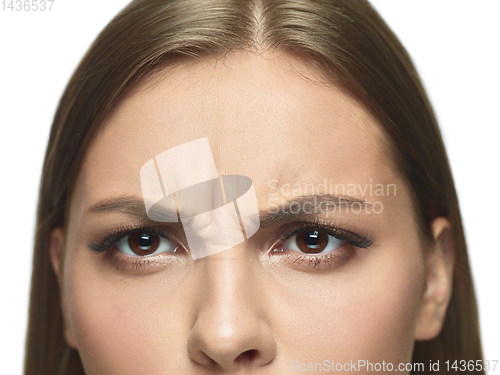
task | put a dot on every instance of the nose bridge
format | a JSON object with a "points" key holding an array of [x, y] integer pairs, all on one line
{"points": [[230, 292], [228, 275], [230, 330]]}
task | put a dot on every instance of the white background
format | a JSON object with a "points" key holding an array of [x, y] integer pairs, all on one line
{"points": [[454, 45]]}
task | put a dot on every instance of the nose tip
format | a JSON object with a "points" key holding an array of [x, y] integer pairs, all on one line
{"points": [[231, 348]]}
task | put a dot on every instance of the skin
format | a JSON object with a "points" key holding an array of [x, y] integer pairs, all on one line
{"points": [[250, 309]]}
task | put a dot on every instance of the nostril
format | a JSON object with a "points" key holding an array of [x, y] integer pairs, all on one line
{"points": [[247, 356]]}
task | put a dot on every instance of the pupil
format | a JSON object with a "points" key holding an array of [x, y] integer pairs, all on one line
{"points": [[312, 238], [145, 240]]}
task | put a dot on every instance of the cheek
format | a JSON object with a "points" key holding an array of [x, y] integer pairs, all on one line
{"points": [[368, 314], [384, 313], [122, 326]]}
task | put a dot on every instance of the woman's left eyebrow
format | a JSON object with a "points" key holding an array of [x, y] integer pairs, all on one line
{"points": [[303, 206]]}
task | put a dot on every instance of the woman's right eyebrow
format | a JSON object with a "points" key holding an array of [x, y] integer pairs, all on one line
{"points": [[129, 205], [297, 208]]}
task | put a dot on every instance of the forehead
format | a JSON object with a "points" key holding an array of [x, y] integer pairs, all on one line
{"points": [[261, 117]]}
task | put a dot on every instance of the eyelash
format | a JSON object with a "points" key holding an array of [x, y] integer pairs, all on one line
{"points": [[351, 237], [112, 237], [344, 234]]}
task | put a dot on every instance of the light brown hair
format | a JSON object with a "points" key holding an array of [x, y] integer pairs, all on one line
{"points": [[346, 40]]}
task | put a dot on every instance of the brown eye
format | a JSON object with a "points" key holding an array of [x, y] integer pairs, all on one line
{"points": [[144, 244], [312, 242]]}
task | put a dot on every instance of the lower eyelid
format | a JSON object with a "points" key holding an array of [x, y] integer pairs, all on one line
{"points": [[327, 262], [319, 262], [150, 263]]}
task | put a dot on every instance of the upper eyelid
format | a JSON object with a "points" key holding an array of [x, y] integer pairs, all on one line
{"points": [[305, 225], [339, 232], [111, 240]]}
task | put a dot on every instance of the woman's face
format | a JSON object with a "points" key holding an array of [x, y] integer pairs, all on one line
{"points": [[279, 300]]}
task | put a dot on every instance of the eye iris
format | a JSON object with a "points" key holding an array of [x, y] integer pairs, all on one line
{"points": [[312, 242], [143, 243]]}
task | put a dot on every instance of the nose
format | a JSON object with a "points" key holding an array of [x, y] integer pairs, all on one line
{"points": [[230, 331]]}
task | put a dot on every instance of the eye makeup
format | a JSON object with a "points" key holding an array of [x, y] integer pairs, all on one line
{"points": [[346, 234], [348, 239], [114, 235], [107, 244]]}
